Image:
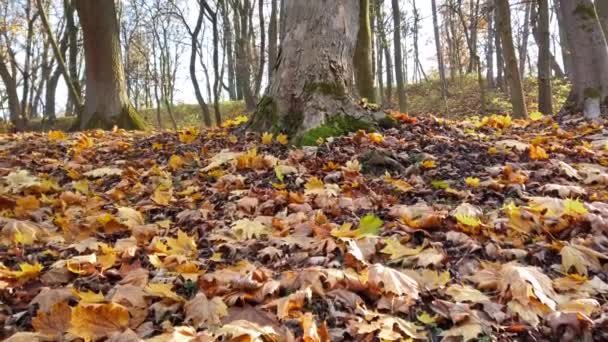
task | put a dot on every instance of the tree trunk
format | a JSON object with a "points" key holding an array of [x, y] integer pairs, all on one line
{"points": [[106, 103], [564, 41], [490, 45], [243, 68], [193, 52], [313, 83], [272, 39], [402, 96], [364, 77], [439, 50], [500, 63], [10, 86], [260, 75], [534, 22], [545, 100], [523, 47], [379, 49], [589, 56], [229, 52], [602, 12], [513, 75]]}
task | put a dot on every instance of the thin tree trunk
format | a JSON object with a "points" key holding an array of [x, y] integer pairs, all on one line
{"points": [[439, 51], [523, 48], [260, 75], [564, 41], [490, 45], [500, 63], [513, 75], [364, 77], [193, 52], [10, 86], [545, 101]]}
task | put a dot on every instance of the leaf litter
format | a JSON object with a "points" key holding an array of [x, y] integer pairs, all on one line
{"points": [[492, 229]]}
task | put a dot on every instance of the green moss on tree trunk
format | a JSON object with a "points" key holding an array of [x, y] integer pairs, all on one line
{"points": [[335, 126], [129, 119]]}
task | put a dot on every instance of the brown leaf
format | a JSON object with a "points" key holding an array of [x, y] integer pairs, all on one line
{"points": [[201, 311], [54, 323]]}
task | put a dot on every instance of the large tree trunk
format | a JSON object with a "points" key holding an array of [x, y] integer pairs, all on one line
{"points": [[313, 83], [602, 12], [273, 32], [513, 75], [401, 95], [364, 76], [564, 41], [589, 56], [545, 101], [106, 101]]}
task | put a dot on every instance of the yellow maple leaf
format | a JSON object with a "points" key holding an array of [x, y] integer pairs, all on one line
{"points": [[375, 138], [538, 153], [429, 164], [26, 272], [535, 116], [182, 245], [314, 186], [472, 182], [468, 220], [89, 297], [95, 321], [282, 139], [396, 250], [163, 290], [246, 229], [427, 319], [188, 135], [162, 195], [56, 135], [267, 138], [175, 162], [574, 207]]}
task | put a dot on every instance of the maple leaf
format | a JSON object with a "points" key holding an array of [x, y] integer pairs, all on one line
{"points": [[188, 135], [175, 162], [282, 139], [246, 229], [54, 323], [104, 172], [89, 296], [429, 164], [242, 328], [375, 138], [389, 280], [220, 159], [397, 251], [163, 290], [535, 116], [202, 311], [472, 182], [182, 245], [538, 153], [384, 328], [581, 258], [130, 217], [26, 272], [267, 138], [93, 321], [20, 180], [465, 293], [419, 215], [468, 331], [56, 135]]}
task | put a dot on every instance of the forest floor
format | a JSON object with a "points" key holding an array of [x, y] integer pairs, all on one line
{"points": [[487, 229]]}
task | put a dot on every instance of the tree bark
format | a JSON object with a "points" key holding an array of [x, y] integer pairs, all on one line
{"points": [[602, 12], [589, 56], [564, 42], [523, 48], [545, 100], [314, 81], [10, 86], [106, 101], [490, 44], [364, 77], [193, 52], [513, 75], [272, 39], [500, 63], [401, 94], [439, 51]]}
